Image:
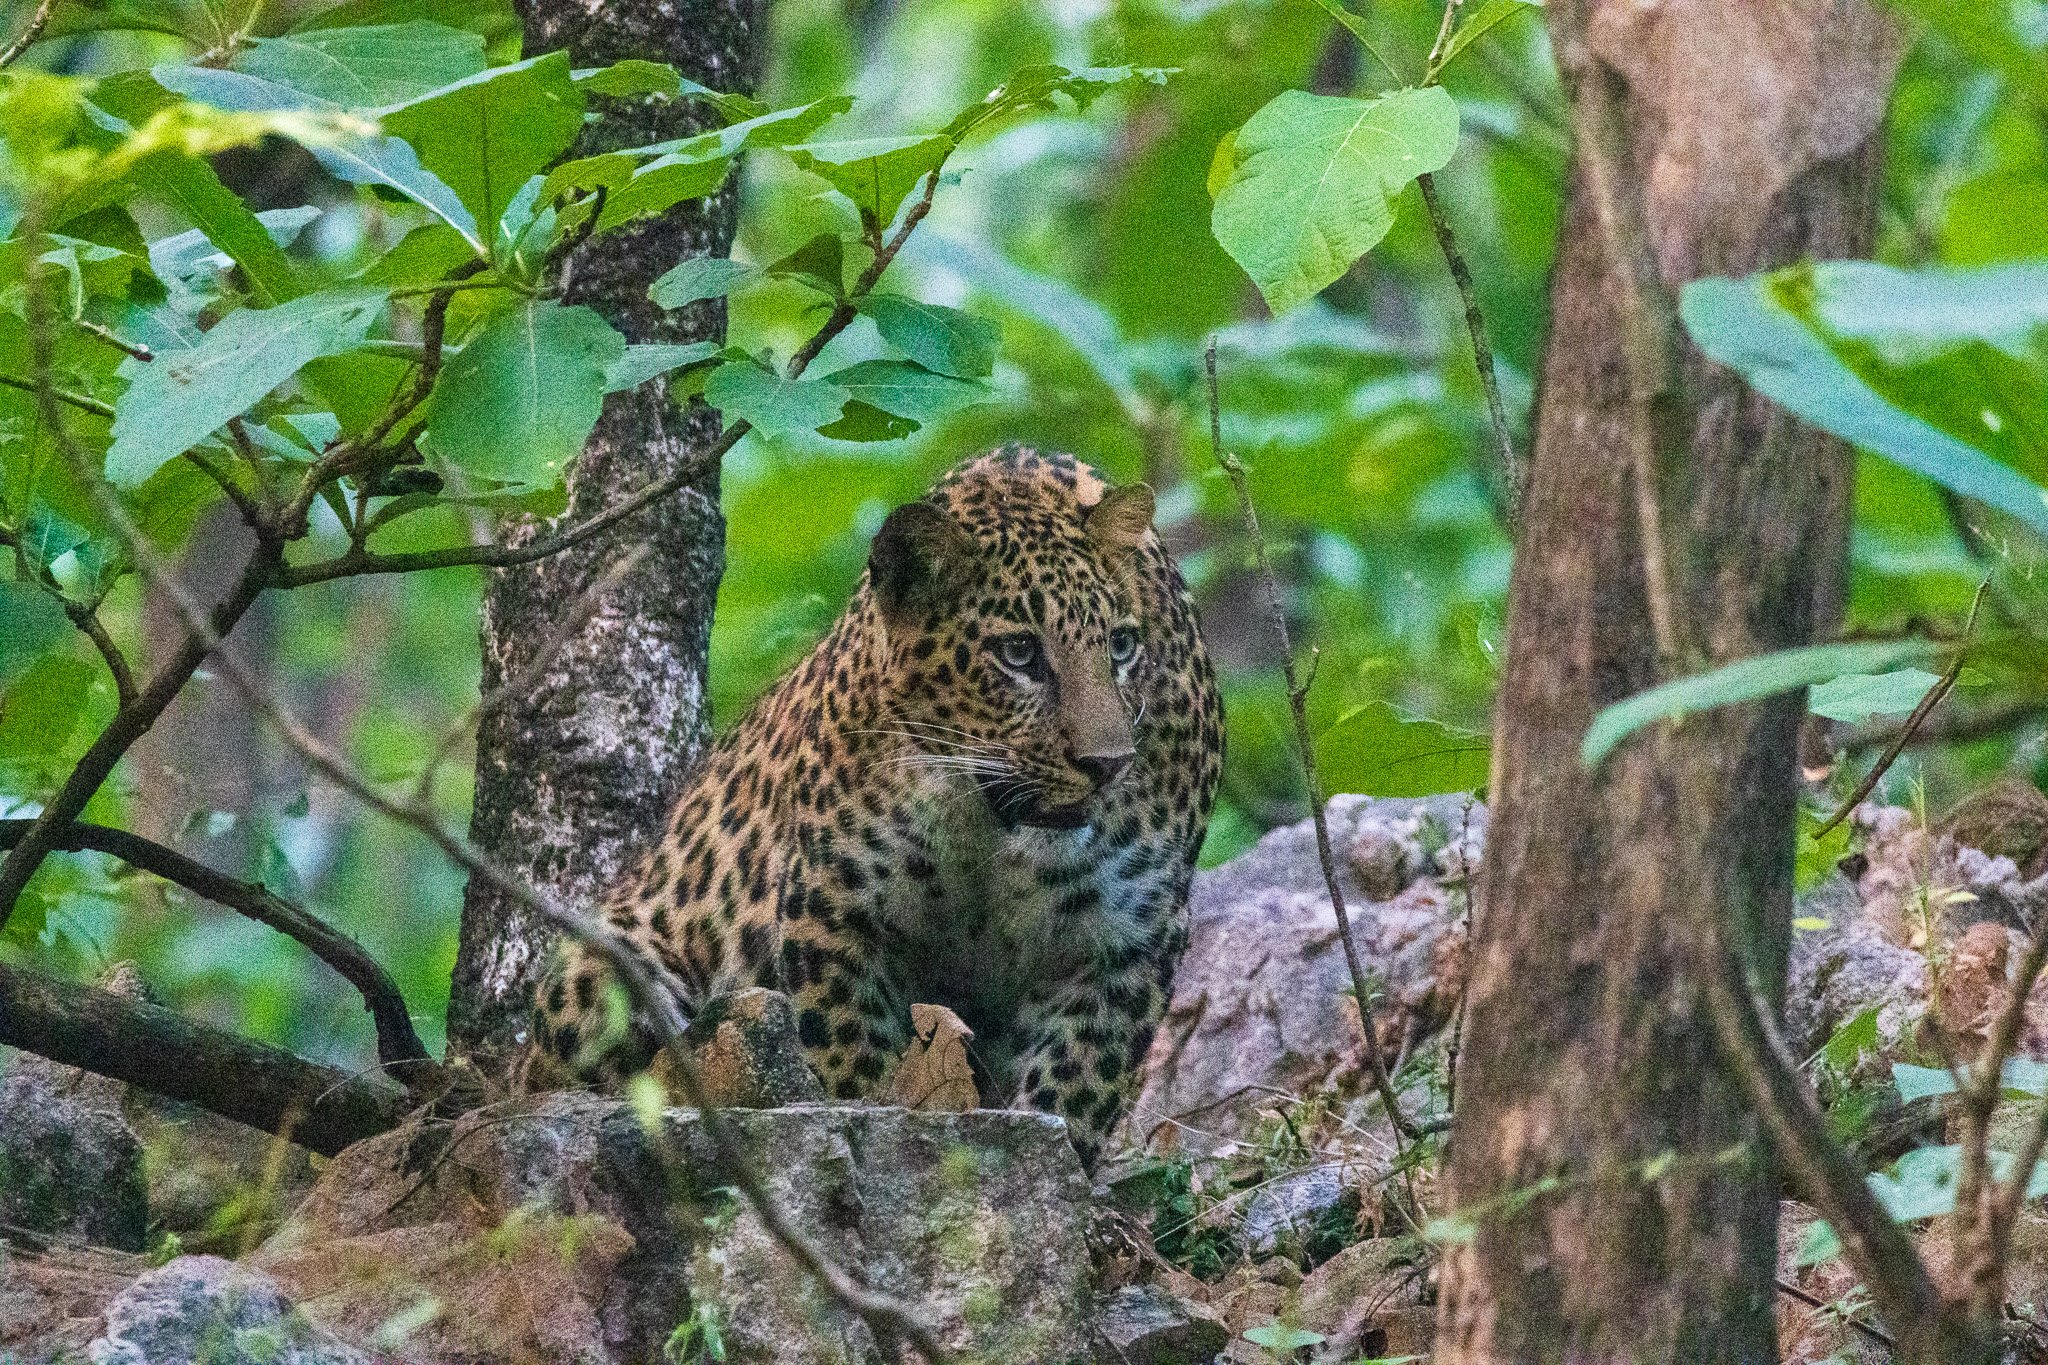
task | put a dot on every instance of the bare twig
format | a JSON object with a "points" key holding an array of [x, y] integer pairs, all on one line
{"points": [[121, 344], [28, 35], [155, 1048], [397, 1041], [1513, 476], [1952, 726], [1297, 696], [1854, 1324], [1931, 699], [88, 622], [83, 402]]}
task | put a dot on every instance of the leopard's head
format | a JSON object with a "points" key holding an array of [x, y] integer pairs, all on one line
{"points": [[1013, 644]]}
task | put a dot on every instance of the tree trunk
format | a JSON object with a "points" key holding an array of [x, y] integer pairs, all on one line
{"points": [[576, 772], [1619, 1198]]}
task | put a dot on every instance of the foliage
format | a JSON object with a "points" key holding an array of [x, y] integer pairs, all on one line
{"points": [[1076, 245]]}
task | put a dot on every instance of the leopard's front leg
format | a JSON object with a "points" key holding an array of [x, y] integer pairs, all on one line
{"points": [[852, 1015]]}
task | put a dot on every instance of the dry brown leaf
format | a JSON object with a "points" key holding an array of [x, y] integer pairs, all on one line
{"points": [[934, 1072]]}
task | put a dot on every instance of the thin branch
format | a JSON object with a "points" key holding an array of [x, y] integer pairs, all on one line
{"points": [[1875, 1246], [88, 622], [1878, 1335], [1297, 695], [1928, 701], [252, 513], [83, 402], [397, 1041], [121, 344], [145, 1045], [29, 34], [1513, 476], [1952, 726]]}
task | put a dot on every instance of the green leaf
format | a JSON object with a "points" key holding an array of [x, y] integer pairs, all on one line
{"points": [[1910, 315], [700, 277], [1477, 25], [1846, 1046], [40, 710], [638, 364], [876, 173], [1274, 1336], [2021, 1076], [30, 622], [520, 399], [1313, 183], [484, 137], [936, 337], [362, 68], [1859, 696], [908, 390], [1033, 87], [1739, 323], [1745, 680], [628, 79], [178, 400], [1375, 750], [771, 403], [819, 263]]}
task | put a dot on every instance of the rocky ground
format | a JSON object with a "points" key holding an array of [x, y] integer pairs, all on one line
{"points": [[1260, 1212]]}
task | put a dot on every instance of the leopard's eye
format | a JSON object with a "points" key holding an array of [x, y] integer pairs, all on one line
{"points": [[1020, 652], [1123, 644]]}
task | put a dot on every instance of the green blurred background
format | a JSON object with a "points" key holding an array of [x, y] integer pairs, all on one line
{"points": [[1086, 236]]}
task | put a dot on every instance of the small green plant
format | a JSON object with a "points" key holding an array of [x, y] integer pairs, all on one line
{"points": [[697, 1340]]}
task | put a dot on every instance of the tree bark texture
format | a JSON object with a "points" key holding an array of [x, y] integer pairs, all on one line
{"points": [[1620, 1199], [576, 772]]}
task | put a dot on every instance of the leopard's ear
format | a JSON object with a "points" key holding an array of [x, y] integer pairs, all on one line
{"points": [[1119, 522], [916, 554]]}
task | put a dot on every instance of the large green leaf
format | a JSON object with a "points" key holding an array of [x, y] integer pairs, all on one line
{"points": [[771, 403], [638, 364], [935, 336], [700, 277], [366, 67], [1312, 180], [1859, 696], [874, 172], [518, 401], [1375, 750], [486, 136], [1738, 323], [175, 402], [386, 162], [30, 622], [1747, 680], [908, 390]]}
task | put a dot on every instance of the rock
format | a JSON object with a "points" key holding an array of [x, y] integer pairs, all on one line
{"points": [[201, 1310], [70, 1166], [1146, 1325], [1287, 1209], [1260, 1003], [1363, 1302], [563, 1229], [748, 1052], [52, 1296], [1845, 964]]}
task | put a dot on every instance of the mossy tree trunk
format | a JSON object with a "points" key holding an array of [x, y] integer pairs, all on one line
{"points": [[577, 771], [1620, 1198]]}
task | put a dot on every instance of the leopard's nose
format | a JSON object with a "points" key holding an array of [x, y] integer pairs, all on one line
{"points": [[1102, 768]]}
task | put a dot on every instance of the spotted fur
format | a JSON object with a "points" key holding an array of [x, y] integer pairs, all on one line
{"points": [[919, 812]]}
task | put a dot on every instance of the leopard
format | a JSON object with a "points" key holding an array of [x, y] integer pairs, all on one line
{"points": [[985, 788]]}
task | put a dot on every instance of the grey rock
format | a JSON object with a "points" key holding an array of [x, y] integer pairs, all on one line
{"points": [[1142, 1324], [201, 1310], [569, 1230], [1846, 966], [1260, 1002], [1288, 1208], [70, 1166]]}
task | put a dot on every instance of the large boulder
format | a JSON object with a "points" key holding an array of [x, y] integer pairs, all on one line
{"points": [[201, 1310], [1262, 1005], [70, 1166], [571, 1228]]}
